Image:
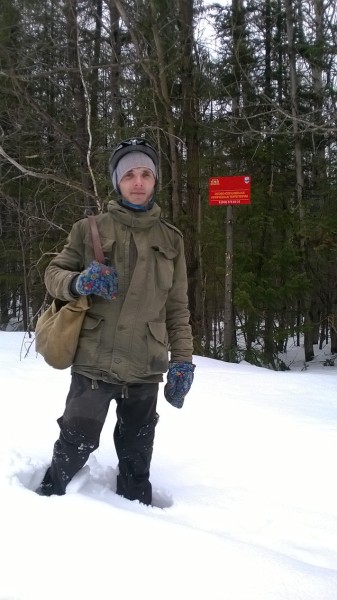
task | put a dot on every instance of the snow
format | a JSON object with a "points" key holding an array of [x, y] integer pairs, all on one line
{"points": [[244, 480]]}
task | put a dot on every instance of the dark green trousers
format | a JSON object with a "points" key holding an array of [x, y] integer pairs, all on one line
{"points": [[85, 413]]}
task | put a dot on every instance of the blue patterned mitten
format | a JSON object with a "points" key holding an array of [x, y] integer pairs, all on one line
{"points": [[98, 279], [179, 380]]}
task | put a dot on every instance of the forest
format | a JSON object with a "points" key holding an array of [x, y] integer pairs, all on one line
{"points": [[241, 87]]}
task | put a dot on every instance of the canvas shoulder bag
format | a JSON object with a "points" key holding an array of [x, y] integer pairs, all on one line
{"points": [[58, 328]]}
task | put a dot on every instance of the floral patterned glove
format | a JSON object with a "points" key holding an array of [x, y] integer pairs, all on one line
{"points": [[98, 279], [179, 380]]}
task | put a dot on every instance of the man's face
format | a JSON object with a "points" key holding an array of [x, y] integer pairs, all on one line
{"points": [[137, 186]]}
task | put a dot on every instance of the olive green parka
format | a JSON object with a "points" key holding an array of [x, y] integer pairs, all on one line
{"points": [[127, 340]]}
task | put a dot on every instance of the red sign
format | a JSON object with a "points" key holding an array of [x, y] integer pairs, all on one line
{"points": [[229, 190]]}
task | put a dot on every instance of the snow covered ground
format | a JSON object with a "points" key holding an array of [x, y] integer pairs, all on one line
{"points": [[245, 486]]}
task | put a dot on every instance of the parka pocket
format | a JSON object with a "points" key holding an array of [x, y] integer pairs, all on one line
{"points": [[157, 340], [164, 257], [90, 340]]}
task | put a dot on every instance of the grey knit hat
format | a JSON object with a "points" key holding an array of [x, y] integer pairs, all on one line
{"points": [[132, 160]]}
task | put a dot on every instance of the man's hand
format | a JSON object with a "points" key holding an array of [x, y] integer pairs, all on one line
{"points": [[179, 380], [98, 279]]}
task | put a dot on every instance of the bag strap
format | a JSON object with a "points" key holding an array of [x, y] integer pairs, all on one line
{"points": [[96, 240]]}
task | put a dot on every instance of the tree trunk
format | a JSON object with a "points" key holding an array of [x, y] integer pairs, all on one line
{"points": [[82, 101], [114, 102], [308, 324], [190, 131]]}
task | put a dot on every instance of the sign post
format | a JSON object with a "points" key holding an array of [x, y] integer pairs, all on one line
{"points": [[229, 191]]}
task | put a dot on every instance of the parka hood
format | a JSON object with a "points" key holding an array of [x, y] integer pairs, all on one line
{"points": [[137, 220]]}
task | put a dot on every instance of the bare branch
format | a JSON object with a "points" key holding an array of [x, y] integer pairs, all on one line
{"points": [[46, 176], [88, 121]]}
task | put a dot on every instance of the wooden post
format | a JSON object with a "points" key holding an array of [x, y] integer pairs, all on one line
{"points": [[228, 309]]}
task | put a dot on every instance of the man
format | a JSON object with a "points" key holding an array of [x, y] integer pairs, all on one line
{"points": [[138, 312]]}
